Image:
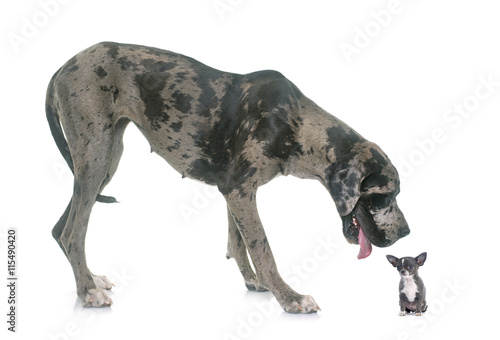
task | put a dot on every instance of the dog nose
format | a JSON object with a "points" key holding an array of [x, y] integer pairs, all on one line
{"points": [[404, 231]]}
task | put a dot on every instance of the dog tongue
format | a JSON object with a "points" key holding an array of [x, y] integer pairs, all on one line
{"points": [[365, 245]]}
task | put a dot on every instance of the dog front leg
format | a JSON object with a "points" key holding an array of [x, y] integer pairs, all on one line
{"points": [[402, 304], [243, 208], [236, 249]]}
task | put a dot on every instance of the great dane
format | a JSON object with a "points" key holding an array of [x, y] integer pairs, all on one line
{"points": [[235, 131]]}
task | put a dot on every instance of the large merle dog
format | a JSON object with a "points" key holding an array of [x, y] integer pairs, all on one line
{"points": [[230, 130]]}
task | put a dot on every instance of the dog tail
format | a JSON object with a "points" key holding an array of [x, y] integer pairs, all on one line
{"points": [[60, 139]]}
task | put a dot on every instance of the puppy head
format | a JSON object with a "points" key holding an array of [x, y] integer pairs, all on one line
{"points": [[407, 266], [364, 185]]}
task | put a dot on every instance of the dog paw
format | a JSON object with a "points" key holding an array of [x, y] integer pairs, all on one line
{"points": [[97, 297], [102, 282], [402, 313], [305, 304], [418, 314]]}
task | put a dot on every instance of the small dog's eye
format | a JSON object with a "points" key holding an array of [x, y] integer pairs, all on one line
{"points": [[410, 267]]}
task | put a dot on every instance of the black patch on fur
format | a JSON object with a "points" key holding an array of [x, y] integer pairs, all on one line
{"points": [[375, 180], [125, 64], [279, 138], [151, 83], [115, 95], [208, 101], [112, 49], [177, 145], [101, 73], [157, 67], [341, 140], [206, 171], [378, 158], [181, 101], [176, 126]]}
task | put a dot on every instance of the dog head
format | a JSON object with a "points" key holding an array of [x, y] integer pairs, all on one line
{"points": [[407, 266], [364, 185]]}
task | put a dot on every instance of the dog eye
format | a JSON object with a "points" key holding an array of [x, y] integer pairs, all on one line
{"points": [[410, 267]]}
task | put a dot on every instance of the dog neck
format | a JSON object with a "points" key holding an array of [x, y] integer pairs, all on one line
{"points": [[318, 132]]}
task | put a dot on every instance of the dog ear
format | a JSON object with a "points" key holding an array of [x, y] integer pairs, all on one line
{"points": [[421, 259], [393, 260], [345, 176], [344, 180]]}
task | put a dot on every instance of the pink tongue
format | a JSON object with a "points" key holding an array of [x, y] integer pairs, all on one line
{"points": [[365, 245]]}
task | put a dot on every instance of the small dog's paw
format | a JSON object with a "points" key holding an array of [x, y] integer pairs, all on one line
{"points": [[102, 281], [304, 305], [97, 297], [402, 313], [418, 314]]}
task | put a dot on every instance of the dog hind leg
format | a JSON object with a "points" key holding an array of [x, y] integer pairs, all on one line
{"points": [[102, 281], [72, 240], [92, 167], [116, 152]]}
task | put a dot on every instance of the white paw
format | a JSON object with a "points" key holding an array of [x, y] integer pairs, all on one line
{"points": [[418, 314], [402, 313], [102, 281], [304, 306], [97, 298]]}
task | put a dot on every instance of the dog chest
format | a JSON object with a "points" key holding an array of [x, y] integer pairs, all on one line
{"points": [[410, 288]]}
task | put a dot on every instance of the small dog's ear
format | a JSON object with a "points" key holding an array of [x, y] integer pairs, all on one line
{"points": [[393, 260], [421, 259]]}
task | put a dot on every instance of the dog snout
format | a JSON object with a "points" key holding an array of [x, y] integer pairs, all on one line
{"points": [[404, 231]]}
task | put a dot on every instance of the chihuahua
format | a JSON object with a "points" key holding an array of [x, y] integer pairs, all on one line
{"points": [[411, 286]]}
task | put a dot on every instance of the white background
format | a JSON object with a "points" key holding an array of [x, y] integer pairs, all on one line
{"points": [[416, 63]]}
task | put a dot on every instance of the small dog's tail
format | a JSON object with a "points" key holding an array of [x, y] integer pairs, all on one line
{"points": [[60, 139]]}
